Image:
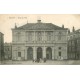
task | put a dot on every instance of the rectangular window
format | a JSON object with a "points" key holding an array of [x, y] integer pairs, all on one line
{"points": [[49, 35], [59, 48], [39, 36], [19, 54], [59, 53], [59, 37], [29, 36], [18, 36], [8, 49]]}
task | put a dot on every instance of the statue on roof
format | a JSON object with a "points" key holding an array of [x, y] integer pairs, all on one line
{"points": [[15, 26]]}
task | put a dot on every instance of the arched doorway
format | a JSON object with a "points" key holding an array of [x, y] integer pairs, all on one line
{"points": [[49, 53], [30, 53], [39, 53]]}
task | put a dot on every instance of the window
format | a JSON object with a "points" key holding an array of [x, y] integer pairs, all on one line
{"points": [[59, 53], [49, 36], [73, 43], [71, 37], [39, 36], [70, 43], [19, 54], [29, 36], [78, 41], [18, 36], [59, 48], [8, 49], [68, 37], [59, 36]]}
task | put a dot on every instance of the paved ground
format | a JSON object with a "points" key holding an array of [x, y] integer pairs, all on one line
{"points": [[64, 62]]}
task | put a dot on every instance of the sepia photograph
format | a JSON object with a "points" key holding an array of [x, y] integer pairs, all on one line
{"points": [[39, 39]]}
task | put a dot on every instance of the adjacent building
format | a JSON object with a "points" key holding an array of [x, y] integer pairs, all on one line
{"points": [[74, 44], [8, 51], [39, 40], [1, 46]]}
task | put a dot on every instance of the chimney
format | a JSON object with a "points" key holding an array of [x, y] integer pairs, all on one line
{"points": [[68, 31], [62, 26], [73, 29], [39, 21]]}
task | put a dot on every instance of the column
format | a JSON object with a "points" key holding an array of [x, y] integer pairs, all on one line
{"points": [[44, 52], [53, 53], [52, 36], [34, 37], [16, 55], [34, 53], [26, 53], [23, 54], [44, 37], [26, 36]]}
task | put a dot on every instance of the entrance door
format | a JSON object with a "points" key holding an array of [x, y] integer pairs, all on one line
{"points": [[49, 53], [39, 53], [30, 53]]}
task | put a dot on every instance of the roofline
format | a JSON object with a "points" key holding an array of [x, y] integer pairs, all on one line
{"points": [[38, 30], [1, 33], [41, 29]]}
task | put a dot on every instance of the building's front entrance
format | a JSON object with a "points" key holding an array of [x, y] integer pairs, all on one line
{"points": [[39, 53], [30, 53], [49, 53]]}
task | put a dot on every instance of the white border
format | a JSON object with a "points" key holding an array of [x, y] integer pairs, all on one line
{"points": [[39, 72], [39, 6]]}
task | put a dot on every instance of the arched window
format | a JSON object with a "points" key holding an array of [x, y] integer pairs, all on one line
{"points": [[49, 53], [39, 53], [30, 53]]}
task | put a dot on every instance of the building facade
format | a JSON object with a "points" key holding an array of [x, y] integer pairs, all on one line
{"points": [[1, 46], [74, 44], [8, 51], [39, 40]]}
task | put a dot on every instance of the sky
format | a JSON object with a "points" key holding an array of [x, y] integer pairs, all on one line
{"points": [[7, 21]]}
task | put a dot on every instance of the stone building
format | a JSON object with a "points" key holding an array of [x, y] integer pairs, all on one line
{"points": [[1, 46], [74, 44], [8, 50], [39, 40]]}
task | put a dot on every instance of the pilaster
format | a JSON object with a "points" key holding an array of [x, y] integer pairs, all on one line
{"points": [[44, 52], [34, 53]]}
